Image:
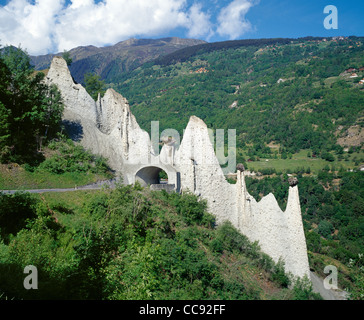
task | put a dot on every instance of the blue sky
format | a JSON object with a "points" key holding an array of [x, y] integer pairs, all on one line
{"points": [[43, 26]]}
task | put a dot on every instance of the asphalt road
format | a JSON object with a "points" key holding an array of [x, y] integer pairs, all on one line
{"points": [[95, 186], [318, 286]]}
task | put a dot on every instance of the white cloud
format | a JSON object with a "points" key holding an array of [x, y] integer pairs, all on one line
{"points": [[53, 25], [199, 23], [29, 25], [85, 22], [232, 21], [43, 26]]}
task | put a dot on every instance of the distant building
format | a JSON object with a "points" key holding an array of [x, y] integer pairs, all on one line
{"points": [[201, 70]]}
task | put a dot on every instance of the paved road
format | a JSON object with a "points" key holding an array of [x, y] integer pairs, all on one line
{"points": [[318, 286], [95, 186]]}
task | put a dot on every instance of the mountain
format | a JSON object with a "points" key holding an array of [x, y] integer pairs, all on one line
{"points": [[280, 95], [109, 62]]}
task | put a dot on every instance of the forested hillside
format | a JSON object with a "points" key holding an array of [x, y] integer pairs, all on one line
{"points": [[130, 243], [295, 94]]}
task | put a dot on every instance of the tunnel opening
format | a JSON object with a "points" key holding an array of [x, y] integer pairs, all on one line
{"points": [[151, 176], [163, 177]]}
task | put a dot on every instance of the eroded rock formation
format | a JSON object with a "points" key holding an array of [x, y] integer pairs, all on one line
{"points": [[107, 127]]}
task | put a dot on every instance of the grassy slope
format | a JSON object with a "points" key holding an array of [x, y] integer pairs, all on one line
{"points": [[15, 177], [65, 165], [300, 160]]}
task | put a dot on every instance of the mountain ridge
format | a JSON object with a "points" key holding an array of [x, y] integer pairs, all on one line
{"points": [[110, 60]]}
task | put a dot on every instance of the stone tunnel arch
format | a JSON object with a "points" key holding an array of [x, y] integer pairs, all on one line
{"points": [[150, 176]]}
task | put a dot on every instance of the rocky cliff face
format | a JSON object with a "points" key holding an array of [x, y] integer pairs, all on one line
{"points": [[107, 127], [279, 234]]}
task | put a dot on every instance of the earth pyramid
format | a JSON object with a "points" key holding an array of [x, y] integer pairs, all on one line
{"points": [[108, 128]]}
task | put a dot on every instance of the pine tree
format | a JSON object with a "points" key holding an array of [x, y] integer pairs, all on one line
{"points": [[94, 86], [4, 112], [67, 57], [29, 107]]}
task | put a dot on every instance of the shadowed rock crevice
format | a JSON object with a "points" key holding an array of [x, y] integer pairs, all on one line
{"points": [[74, 129]]}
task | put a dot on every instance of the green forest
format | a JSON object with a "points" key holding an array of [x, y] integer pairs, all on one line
{"points": [[296, 95], [290, 100], [30, 111]]}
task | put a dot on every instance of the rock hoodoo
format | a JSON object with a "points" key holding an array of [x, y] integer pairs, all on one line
{"points": [[293, 181], [107, 127], [240, 167]]}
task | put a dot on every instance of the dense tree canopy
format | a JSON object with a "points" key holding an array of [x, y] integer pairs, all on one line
{"points": [[293, 92], [30, 110], [130, 243]]}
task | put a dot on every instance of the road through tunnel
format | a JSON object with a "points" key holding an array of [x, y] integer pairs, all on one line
{"points": [[151, 175], [157, 178]]}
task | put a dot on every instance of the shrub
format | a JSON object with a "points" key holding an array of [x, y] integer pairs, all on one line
{"points": [[279, 275], [73, 158], [191, 208], [303, 290], [327, 156], [231, 240], [325, 228], [15, 211]]}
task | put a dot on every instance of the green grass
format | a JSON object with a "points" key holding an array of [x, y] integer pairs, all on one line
{"points": [[74, 199], [17, 178], [66, 165], [329, 81], [300, 160]]}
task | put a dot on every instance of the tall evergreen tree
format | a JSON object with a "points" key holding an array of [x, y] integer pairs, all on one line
{"points": [[30, 109], [94, 86], [67, 57], [4, 112]]}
